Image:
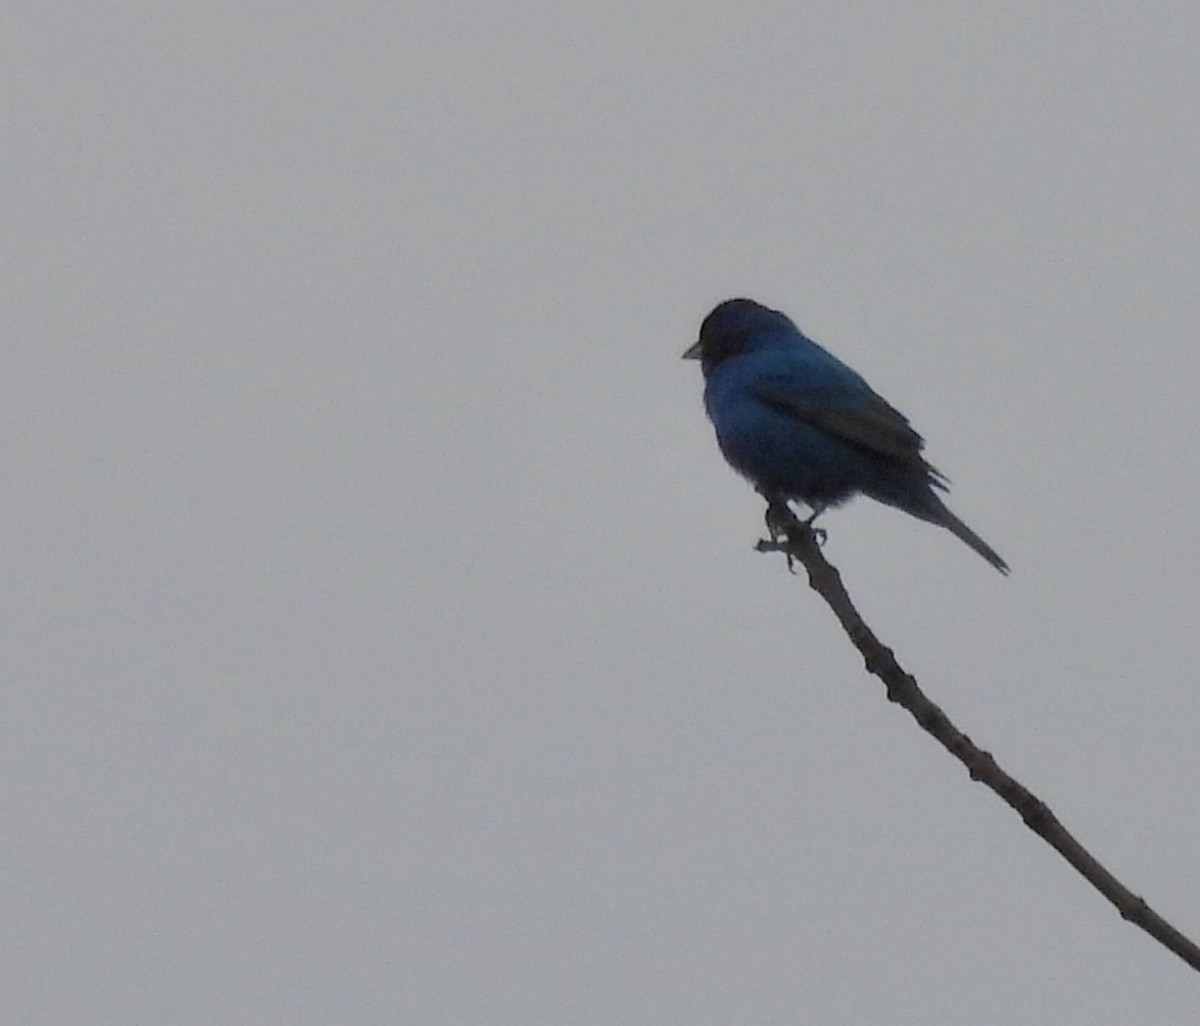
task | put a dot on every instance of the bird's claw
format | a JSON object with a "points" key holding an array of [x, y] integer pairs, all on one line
{"points": [[778, 518]]}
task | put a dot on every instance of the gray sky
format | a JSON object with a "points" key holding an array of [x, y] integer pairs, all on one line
{"points": [[384, 639]]}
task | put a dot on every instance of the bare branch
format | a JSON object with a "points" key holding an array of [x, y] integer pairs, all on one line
{"points": [[800, 542]]}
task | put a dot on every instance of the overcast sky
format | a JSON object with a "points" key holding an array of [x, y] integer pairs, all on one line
{"points": [[384, 639]]}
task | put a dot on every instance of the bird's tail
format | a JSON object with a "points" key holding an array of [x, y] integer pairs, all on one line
{"points": [[939, 513]]}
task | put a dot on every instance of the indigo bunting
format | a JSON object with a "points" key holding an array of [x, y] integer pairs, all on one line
{"points": [[800, 424]]}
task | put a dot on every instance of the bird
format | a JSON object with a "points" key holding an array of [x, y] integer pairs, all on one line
{"points": [[801, 425]]}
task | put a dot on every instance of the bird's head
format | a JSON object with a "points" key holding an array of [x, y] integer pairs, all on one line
{"points": [[738, 326]]}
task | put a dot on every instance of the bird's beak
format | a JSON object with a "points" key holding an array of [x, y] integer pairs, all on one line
{"points": [[693, 353]]}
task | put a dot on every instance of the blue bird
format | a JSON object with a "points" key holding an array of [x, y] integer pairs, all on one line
{"points": [[800, 424]]}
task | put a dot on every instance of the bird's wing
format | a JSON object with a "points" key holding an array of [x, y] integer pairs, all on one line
{"points": [[864, 419]]}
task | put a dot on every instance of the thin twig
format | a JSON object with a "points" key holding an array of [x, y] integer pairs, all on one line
{"points": [[799, 541]]}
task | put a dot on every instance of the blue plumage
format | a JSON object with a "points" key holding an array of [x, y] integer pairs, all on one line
{"points": [[800, 424]]}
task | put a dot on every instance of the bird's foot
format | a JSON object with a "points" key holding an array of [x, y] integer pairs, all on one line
{"points": [[781, 521], [818, 533], [778, 518]]}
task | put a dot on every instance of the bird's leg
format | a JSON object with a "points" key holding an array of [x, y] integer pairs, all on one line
{"points": [[819, 534], [779, 518]]}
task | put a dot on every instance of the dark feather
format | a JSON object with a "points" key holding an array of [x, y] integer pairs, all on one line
{"points": [[872, 424]]}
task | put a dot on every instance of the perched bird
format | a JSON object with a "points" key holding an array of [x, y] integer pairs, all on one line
{"points": [[800, 424]]}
